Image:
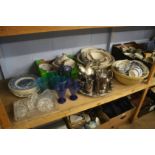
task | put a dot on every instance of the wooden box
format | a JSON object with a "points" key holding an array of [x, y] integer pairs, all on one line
{"points": [[119, 119], [119, 55]]}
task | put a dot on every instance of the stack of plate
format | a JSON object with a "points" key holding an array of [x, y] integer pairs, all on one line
{"points": [[97, 57], [23, 86]]}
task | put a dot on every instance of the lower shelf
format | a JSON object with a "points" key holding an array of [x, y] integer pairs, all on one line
{"points": [[110, 115], [70, 107]]}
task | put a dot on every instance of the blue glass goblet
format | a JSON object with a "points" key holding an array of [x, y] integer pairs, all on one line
{"points": [[74, 87], [60, 87]]}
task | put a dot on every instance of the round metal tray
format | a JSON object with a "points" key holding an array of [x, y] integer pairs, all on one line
{"points": [[93, 95]]}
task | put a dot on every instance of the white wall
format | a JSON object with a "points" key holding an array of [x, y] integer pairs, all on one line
{"points": [[18, 57], [18, 54], [141, 34]]}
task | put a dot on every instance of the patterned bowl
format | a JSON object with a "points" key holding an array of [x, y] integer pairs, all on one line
{"points": [[23, 86]]}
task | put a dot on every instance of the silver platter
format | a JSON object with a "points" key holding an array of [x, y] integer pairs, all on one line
{"points": [[93, 95]]}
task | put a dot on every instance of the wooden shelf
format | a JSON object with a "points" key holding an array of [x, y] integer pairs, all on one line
{"points": [[23, 30], [70, 107]]}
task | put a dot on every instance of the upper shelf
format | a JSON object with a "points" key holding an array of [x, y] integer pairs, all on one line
{"points": [[23, 30]]}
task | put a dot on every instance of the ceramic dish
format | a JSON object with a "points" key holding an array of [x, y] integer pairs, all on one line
{"points": [[97, 57], [63, 60], [45, 66], [23, 86], [122, 66], [134, 73], [25, 93]]}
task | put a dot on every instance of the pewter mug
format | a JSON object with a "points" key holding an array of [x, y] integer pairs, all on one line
{"points": [[97, 84]]}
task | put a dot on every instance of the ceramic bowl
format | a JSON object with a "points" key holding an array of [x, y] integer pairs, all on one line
{"points": [[23, 86], [123, 66], [63, 60], [136, 68], [59, 60], [69, 62], [45, 66], [134, 73]]}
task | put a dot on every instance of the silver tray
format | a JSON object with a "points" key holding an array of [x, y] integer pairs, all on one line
{"points": [[93, 95]]}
